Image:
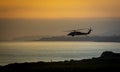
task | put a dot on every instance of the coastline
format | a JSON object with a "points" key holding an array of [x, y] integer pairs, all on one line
{"points": [[74, 39], [108, 61]]}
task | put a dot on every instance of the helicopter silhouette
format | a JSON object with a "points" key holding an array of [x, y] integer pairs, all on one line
{"points": [[77, 32]]}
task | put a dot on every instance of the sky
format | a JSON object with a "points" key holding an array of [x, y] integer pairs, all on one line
{"points": [[59, 8], [19, 18]]}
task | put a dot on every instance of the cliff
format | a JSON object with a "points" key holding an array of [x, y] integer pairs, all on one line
{"points": [[107, 62]]}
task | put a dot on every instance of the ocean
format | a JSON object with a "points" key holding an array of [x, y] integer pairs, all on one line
{"points": [[19, 52]]}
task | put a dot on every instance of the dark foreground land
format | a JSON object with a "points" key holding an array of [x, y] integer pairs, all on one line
{"points": [[107, 62]]}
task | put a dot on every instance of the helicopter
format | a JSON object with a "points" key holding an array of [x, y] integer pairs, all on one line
{"points": [[77, 32]]}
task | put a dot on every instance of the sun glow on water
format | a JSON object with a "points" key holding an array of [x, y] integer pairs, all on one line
{"points": [[11, 52]]}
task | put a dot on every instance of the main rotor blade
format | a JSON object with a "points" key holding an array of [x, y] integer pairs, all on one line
{"points": [[76, 30], [70, 30], [82, 29]]}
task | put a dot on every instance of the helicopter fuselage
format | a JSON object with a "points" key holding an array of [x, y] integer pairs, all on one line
{"points": [[74, 33]]}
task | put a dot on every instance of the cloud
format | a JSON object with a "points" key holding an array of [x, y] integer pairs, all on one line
{"points": [[7, 9]]}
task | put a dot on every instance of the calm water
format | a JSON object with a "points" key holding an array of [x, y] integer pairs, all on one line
{"points": [[11, 52]]}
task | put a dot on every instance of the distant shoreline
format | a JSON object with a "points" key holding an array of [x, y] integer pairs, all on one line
{"points": [[77, 38]]}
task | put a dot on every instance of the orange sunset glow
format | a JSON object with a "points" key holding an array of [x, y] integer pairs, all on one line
{"points": [[59, 8], [60, 35]]}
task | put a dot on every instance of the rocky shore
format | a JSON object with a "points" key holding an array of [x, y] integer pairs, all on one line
{"points": [[107, 62]]}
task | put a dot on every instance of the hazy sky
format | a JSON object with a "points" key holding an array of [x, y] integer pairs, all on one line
{"points": [[59, 8], [13, 28], [20, 18]]}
